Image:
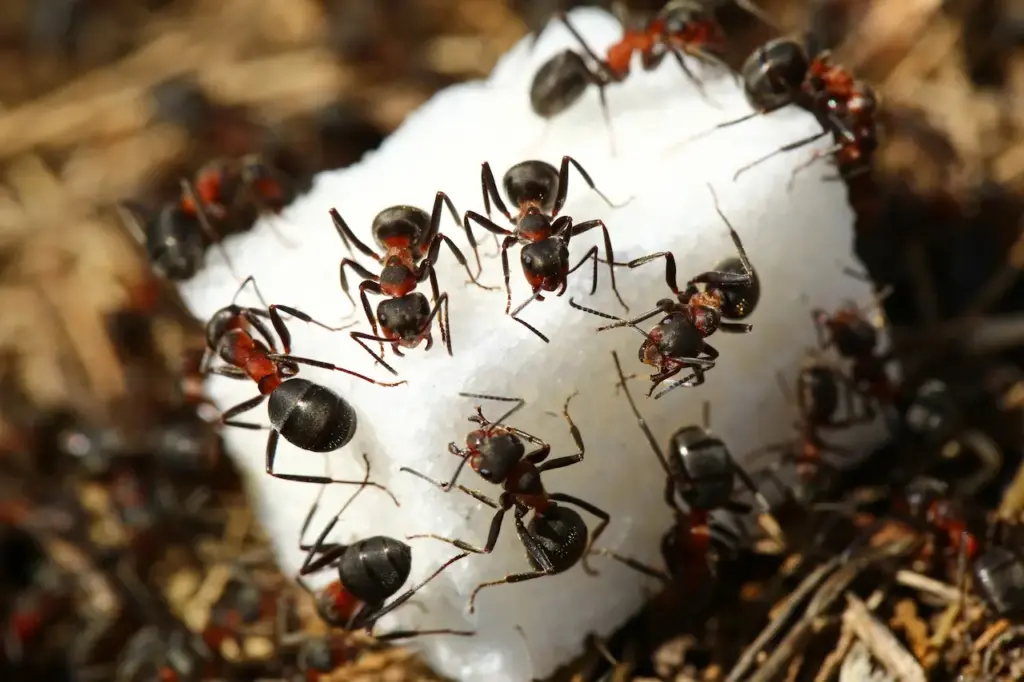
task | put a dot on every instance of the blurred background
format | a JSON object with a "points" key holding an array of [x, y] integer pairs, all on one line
{"points": [[109, 459]]}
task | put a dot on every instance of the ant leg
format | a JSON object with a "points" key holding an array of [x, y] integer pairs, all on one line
{"points": [[619, 322], [229, 372], [492, 534], [670, 267], [358, 338], [232, 412], [697, 83], [336, 368], [602, 65], [434, 250], [591, 254], [435, 222], [359, 270], [519, 402], [514, 315], [651, 440], [346, 234], [781, 150], [368, 620], [693, 380], [735, 327], [271, 454], [811, 160], [636, 565], [282, 329], [406, 634], [536, 552], [475, 494], [563, 185], [605, 519], [446, 336], [609, 255], [733, 234], [489, 189], [577, 438]]}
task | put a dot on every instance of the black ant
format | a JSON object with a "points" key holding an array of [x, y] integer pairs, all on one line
{"points": [[310, 416], [780, 73], [538, 190], [679, 342], [700, 470], [411, 242], [556, 539], [370, 571]]}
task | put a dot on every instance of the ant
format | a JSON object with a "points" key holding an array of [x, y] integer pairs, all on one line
{"points": [[926, 501], [248, 319], [310, 416], [411, 242], [700, 470], [780, 73], [678, 342], [825, 399], [538, 190], [856, 338], [556, 539], [682, 27], [370, 571]]}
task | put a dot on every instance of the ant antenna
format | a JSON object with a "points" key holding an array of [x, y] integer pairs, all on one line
{"points": [[732, 232], [519, 403], [705, 416], [639, 418]]}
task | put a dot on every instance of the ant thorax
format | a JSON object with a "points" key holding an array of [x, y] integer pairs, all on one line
{"points": [[398, 276], [704, 310]]}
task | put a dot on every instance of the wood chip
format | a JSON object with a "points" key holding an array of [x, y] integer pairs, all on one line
{"points": [[883, 645]]}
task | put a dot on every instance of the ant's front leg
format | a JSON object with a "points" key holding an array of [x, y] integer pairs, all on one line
{"points": [[434, 232], [348, 237]]}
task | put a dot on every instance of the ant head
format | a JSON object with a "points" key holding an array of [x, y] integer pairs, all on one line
{"points": [[495, 452], [401, 227], [545, 264], [864, 101], [558, 84], [738, 301], [706, 467], [921, 492], [774, 73], [680, 17], [532, 182], [221, 322], [933, 414], [397, 278], [336, 605], [562, 535], [404, 317]]}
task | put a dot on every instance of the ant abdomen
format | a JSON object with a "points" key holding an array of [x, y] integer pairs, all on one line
{"points": [[559, 83], [562, 534], [375, 568], [402, 226], [404, 316], [999, 574], [310, 416], [532, 182], [738, 302], [703, 463], [773, 74]]}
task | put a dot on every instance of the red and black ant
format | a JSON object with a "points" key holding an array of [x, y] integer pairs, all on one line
{"points": [[538, 190], [780, 73], [682, 27], [556, 539], [411, 242], [700, 471], [310, 416], [370, 571], [927, 502], [679, 342]]}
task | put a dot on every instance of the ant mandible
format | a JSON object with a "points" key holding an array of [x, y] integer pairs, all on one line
{"points": [[679, 342], [411, 242], [700, 470], [370, 571], [538, 190], [309, 416], [556, 538]]}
